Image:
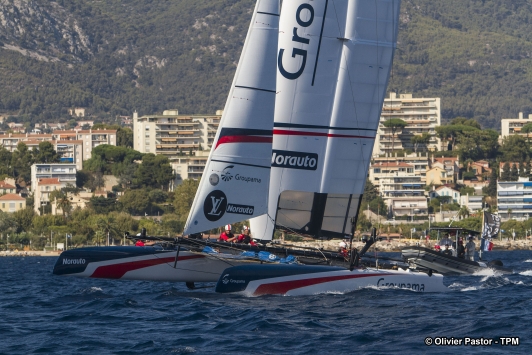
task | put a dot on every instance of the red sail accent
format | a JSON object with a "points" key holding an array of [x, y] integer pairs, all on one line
{"points": [[285, 132], [281, 288], [243, 139], [116, 271]]}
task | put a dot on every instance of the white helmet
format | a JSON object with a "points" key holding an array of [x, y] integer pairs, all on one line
{"points": [[227, 227], [342, 245], [245, 228]]}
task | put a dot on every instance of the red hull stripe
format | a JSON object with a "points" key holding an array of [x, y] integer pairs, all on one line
{"points": [[243, 139], [116, 271], [285, 132], [280, 288]]}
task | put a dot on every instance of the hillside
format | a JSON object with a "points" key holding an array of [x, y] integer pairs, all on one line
{"points": [[115, 57]]}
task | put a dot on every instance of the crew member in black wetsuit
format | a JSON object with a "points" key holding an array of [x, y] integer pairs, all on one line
{"points": [[460, 249]]}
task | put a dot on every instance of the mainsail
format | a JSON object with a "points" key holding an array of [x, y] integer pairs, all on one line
{"points": [[334, 62], [235, 181]]}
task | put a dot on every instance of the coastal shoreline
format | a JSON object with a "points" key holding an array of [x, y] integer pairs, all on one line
{"points": [[382, 246]]}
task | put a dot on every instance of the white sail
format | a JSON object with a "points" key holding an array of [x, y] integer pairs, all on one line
{"points": [[334, 61], [235, 182]]}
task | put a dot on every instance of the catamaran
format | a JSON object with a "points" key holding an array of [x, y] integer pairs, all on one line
{"points": [[293, 146]]}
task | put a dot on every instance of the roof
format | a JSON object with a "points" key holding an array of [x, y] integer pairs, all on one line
{"points": [[446, 159], [5, 185], [48, 181], [443, 187], [12, 197]]}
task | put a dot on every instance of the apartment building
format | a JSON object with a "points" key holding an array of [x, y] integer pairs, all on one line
{"points": [[472, 202], [422, 115], [419, 161], [174, 135], [73, 146], [190, 167], [511, 126], [404, 195], [46, 178], [514, 199]]}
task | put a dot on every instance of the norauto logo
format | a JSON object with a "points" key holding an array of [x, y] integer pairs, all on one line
{"points": [[294, 160], [73, 261]]}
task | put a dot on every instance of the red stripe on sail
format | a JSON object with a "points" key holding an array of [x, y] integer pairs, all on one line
{"points": [[116, 271], [285, 132], [281, 288], [243, 139]]}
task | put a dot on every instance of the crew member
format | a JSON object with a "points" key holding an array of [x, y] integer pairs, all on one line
{"points": [[460, 250], [244, 237], [447, 251], [139, 243], [227, 236], [343, 249], [470, 249]]}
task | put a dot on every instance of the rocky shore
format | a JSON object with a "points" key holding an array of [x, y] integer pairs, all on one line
{"points": [[29, 253]]}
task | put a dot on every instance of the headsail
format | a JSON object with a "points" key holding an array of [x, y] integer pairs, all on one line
{"points": [[334, 62], [235, 182]]}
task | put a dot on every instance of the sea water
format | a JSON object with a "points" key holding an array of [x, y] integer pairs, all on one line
{"points": [[42, 313]]}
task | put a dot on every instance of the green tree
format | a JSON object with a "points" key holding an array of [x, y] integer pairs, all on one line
{"points": [[24, 219], [107, 226], [155, 171], [5, 162], [514, 148], [394, 124], [491, 189], [184, 197], [21, 161], [452, 132], [463, 212], [124, 137], [514, 173], [423, 139], [528, 130], [506, 173], [46, 153], [524, 170], [136, 202]]}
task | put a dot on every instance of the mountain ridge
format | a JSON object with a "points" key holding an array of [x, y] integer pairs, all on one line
{"points": [[114, 58]]}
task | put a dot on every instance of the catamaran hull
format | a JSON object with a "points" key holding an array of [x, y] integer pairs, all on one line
{"points": [[299, 280], [142, 263], [449, 265]]}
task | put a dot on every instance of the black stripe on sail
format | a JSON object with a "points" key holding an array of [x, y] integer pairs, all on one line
{"points": [[232, 162], [319, 43], [267, 13], [245, 132], [296, 125], [252, 88]]}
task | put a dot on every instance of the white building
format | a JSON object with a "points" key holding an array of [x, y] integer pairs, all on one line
{"points": [[422, 115], [472, 202], [446, 191], [511, 126], [174, 135], [514, 199], [46, 178], [404, 195]]}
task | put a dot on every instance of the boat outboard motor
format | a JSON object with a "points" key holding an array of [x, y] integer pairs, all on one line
{"points": [[495, 263]]}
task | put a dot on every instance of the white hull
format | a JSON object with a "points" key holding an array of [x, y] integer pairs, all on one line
{"points": [[338, 280]]}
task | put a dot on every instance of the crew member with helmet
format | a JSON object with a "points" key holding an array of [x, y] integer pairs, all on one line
{"points": [[245, 237], [343, 249], [226, 235]]}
